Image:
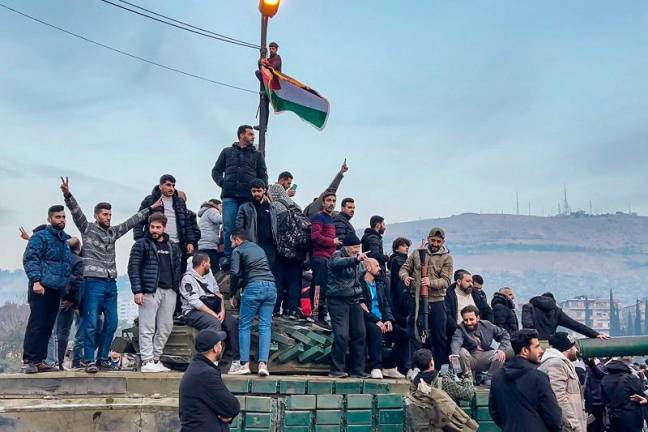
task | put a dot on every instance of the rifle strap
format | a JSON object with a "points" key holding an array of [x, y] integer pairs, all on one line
{"points": [[417, 293]]}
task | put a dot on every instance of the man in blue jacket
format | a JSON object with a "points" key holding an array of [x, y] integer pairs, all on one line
{"points": [[47, 263]]}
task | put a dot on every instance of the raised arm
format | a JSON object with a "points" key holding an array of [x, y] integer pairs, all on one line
{"points": [[136, 219], [570, 323], [78, 217]]}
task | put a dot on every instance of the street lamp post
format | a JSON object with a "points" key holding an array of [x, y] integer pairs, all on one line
{"points": [[268, 9]]}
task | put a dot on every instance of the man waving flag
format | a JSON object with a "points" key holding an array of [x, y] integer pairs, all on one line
{"points": [[288, 94]]}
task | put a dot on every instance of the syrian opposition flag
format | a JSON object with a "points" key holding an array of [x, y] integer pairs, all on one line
{"points": [[288, 94]]}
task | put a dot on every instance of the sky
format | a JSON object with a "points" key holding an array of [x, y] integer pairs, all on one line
{"points": [[439, 107]]}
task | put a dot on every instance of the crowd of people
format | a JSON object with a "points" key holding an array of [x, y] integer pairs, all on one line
{"points": [[390, 315]]}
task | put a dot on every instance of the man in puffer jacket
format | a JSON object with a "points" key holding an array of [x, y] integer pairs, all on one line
{"points": [[344, 298], [557, 363], [237, 166], [154, 273], [623, 395], [210, 223], [503, 305], [47, 263], [542, 314]]}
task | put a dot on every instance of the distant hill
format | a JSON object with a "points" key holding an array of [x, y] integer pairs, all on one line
{"points": [[568, 255]]}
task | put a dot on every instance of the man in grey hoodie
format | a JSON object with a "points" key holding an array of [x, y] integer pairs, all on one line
{"points": [[203, 306], [210, 224]]}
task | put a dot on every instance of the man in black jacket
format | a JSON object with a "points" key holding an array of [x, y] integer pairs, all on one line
{"points": [[154, 273], [380, 324], [233, 172], [342, 220], [623, 394], [521, 398], [205, 404], [258, 219], [542, 314], [503, 305], [344, 297], [461, 294], [372, 241]]}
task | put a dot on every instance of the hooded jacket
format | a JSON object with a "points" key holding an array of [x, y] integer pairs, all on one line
{"points": [[143, 265], [542, 314], [203, 398], [235, 169], [485, 311], [343, 225], [210, 224], [246, 220], [504, 313], [439, 271], [521, 399], [48, 259], [344, 273], [566, 386], [194, 286], [618, 385], [372, 242], [183, 222]]}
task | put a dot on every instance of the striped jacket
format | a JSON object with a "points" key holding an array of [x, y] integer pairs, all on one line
{"points": [[98, 242]]}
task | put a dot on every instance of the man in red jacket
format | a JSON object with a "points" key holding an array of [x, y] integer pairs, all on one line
{"points": [[324, 244]]}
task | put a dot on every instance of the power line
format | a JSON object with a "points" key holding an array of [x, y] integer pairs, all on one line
{"points": [[187, 24], [201, 32], [136, 57]]}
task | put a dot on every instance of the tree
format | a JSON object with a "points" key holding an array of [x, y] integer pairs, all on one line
{"points": [[645, 316], [588, 313], [615, 321], [13, 321]]}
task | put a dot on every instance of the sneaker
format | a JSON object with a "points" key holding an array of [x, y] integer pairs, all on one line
{"points": [[105, 365], [338, 374], [376, 374], [151, 367], [161, 367], [44, 367], [293, 315], [263, 370], [78, 365], [235, 366], [29, 368], [244, 369], [392, 373], [91, 368], [361, 375]]}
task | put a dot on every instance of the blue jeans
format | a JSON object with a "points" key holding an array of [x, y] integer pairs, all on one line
{"points": [[230, 210], [258, 299], [99, 295]]}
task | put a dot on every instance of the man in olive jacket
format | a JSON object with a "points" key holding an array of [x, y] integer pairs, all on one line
{"points": [[233, 172], [436, 257]]}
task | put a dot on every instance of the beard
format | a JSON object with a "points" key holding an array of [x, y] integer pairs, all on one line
{"points": [[155, 236]]}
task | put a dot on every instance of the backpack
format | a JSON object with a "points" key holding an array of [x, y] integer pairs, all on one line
{"points": [[293, 233], [430, 409]]}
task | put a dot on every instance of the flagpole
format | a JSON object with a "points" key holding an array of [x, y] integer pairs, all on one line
{"points": [[263, 106]]}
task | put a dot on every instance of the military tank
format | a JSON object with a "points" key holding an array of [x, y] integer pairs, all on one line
{"points": [[298, 346]]}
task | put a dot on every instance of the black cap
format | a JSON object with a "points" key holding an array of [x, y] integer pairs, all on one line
{"points": [[351, 240], [562, 341], [207, 338]]}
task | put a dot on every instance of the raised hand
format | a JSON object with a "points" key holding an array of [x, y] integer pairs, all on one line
{"points": [[65, 185], [157, 204], [345, 167], [23, 234]]}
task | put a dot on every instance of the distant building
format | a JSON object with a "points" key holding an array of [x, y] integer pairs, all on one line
{"points": [[593, 312], [629, 318], [127, 310]]}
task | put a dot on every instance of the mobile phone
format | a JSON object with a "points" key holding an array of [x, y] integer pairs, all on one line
{"points": [[293, 187]]}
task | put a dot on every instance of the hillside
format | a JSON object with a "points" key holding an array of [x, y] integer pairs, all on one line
{"points": [[568, 255]]}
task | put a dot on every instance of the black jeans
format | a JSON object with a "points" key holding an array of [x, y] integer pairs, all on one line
{"points": [[375, 346], [42, 315], [201, 320], [437, 340], [288, 279], [347, 320], [319, 265]]}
